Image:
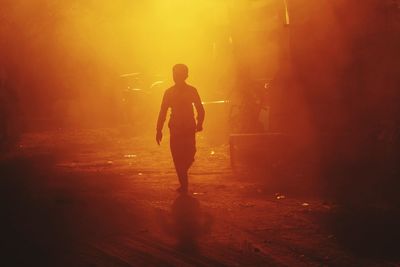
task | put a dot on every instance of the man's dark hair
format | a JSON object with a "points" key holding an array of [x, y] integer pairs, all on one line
{"points": [[180, 70]]}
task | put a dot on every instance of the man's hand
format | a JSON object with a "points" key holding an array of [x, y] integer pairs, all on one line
{"points": [[199, 128], [158, 137]]}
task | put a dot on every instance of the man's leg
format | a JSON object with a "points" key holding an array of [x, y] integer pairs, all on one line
{"points": [[183, 179], [183, 149]]}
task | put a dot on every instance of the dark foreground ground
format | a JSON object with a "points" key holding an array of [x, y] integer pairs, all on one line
{"points": [[99, 198]]}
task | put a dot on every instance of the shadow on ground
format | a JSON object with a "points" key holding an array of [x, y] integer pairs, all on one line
{"points": [[186, 223]]}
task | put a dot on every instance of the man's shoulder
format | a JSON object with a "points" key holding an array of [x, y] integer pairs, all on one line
{"points": [[191, 88], [169, 90], [173, 88]]}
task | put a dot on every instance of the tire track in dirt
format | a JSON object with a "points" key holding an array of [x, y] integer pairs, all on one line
{"points": [[148, 251]]}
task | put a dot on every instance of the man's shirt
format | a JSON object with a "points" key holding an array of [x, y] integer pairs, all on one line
{"points": [[180, 98]]}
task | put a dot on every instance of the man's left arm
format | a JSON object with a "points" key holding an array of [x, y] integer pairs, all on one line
{"points": [[200, 111]]}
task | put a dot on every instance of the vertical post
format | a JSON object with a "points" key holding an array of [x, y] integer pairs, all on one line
{"points": [[232, 151], [287, 18]]}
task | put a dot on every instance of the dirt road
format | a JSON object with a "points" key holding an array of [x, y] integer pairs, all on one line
{"points": [[100, 198]]}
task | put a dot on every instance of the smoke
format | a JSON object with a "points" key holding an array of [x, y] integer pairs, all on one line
{"points": [[64, 59]]}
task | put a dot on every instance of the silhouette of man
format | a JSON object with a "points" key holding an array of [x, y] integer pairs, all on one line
{"points": [[182, 124]]}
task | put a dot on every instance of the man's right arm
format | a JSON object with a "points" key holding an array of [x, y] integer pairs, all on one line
{"points": [[161, 117], [163, 112]]}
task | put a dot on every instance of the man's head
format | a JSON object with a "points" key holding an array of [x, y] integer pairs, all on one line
{"points": [[180, 73]]}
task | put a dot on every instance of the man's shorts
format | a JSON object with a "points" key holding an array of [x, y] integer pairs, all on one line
{"points": [[183, 148]]}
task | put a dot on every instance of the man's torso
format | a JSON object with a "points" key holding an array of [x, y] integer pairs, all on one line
{"points": [[180, 100]]}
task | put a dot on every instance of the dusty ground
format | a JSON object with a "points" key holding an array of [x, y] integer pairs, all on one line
{"points": [[102, 198]]}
